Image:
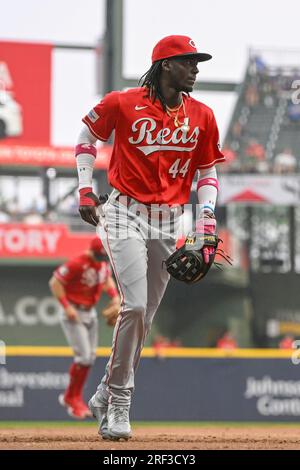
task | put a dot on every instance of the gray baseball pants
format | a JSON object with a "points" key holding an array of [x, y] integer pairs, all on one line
{"points": [[137, 243], [82, 336]]}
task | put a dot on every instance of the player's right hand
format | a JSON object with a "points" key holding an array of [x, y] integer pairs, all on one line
{"points": [[71, 313], [88, 206]]}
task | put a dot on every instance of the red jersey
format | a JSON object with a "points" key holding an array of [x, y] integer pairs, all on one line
{"points": [[83, 279], [154, 161]]}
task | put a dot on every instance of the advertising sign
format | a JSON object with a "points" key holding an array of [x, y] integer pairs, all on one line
{"points": [[25, 93], [41, 241], [207, 388]]}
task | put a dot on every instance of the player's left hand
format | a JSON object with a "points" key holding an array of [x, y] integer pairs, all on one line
{"points": [[88, 206], [207, 224]]}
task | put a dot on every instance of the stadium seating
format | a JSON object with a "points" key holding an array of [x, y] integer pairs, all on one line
{"points": [[265, 122]]}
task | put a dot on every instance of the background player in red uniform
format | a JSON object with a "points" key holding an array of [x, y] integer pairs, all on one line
{"points": [[78, 285], [163, 137]]}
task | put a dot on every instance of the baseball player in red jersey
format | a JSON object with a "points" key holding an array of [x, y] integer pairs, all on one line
{"points": [[163, 137], [78, 285]]}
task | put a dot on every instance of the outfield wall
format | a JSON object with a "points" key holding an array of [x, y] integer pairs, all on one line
{"points": [[184, 385]]}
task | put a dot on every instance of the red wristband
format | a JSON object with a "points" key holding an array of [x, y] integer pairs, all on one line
{"points": [[112, 292], [84, 200], [86, 148], [64, 301]]}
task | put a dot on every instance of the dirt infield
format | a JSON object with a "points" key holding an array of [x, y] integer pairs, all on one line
{"points": [[153, 438]]}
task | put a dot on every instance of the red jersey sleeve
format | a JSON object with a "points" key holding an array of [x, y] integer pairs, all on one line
{"points": [[210, 152], [101, 120], [67, 272]]}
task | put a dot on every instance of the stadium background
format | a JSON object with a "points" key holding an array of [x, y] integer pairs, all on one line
{"points": [[54, 73]]}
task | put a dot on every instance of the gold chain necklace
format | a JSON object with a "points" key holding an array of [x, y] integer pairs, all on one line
{"points": [[185, 124]]}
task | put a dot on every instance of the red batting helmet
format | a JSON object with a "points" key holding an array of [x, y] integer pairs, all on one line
{"points": [[97, 247]]}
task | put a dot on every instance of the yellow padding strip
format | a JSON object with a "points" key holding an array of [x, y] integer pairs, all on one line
{"points": [[150, 352]]}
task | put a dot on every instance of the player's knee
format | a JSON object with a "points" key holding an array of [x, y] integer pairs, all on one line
{"points": [[85, 359], [135, 308], [139, 310]]}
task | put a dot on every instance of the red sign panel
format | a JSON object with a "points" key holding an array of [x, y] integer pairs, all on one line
{"points": [[41, 241], [25, 80]]}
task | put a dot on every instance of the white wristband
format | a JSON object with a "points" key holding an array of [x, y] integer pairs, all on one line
{"points": [[207, 194], [85, 160], [85, 166]]}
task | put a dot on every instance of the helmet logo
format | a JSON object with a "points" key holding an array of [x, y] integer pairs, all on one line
{"points": [[191, 43]]}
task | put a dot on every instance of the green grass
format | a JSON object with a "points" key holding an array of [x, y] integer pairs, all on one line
{"points": [[138, 424]]}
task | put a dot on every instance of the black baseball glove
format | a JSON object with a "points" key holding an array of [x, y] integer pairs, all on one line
{"points": [[187, 263]]}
